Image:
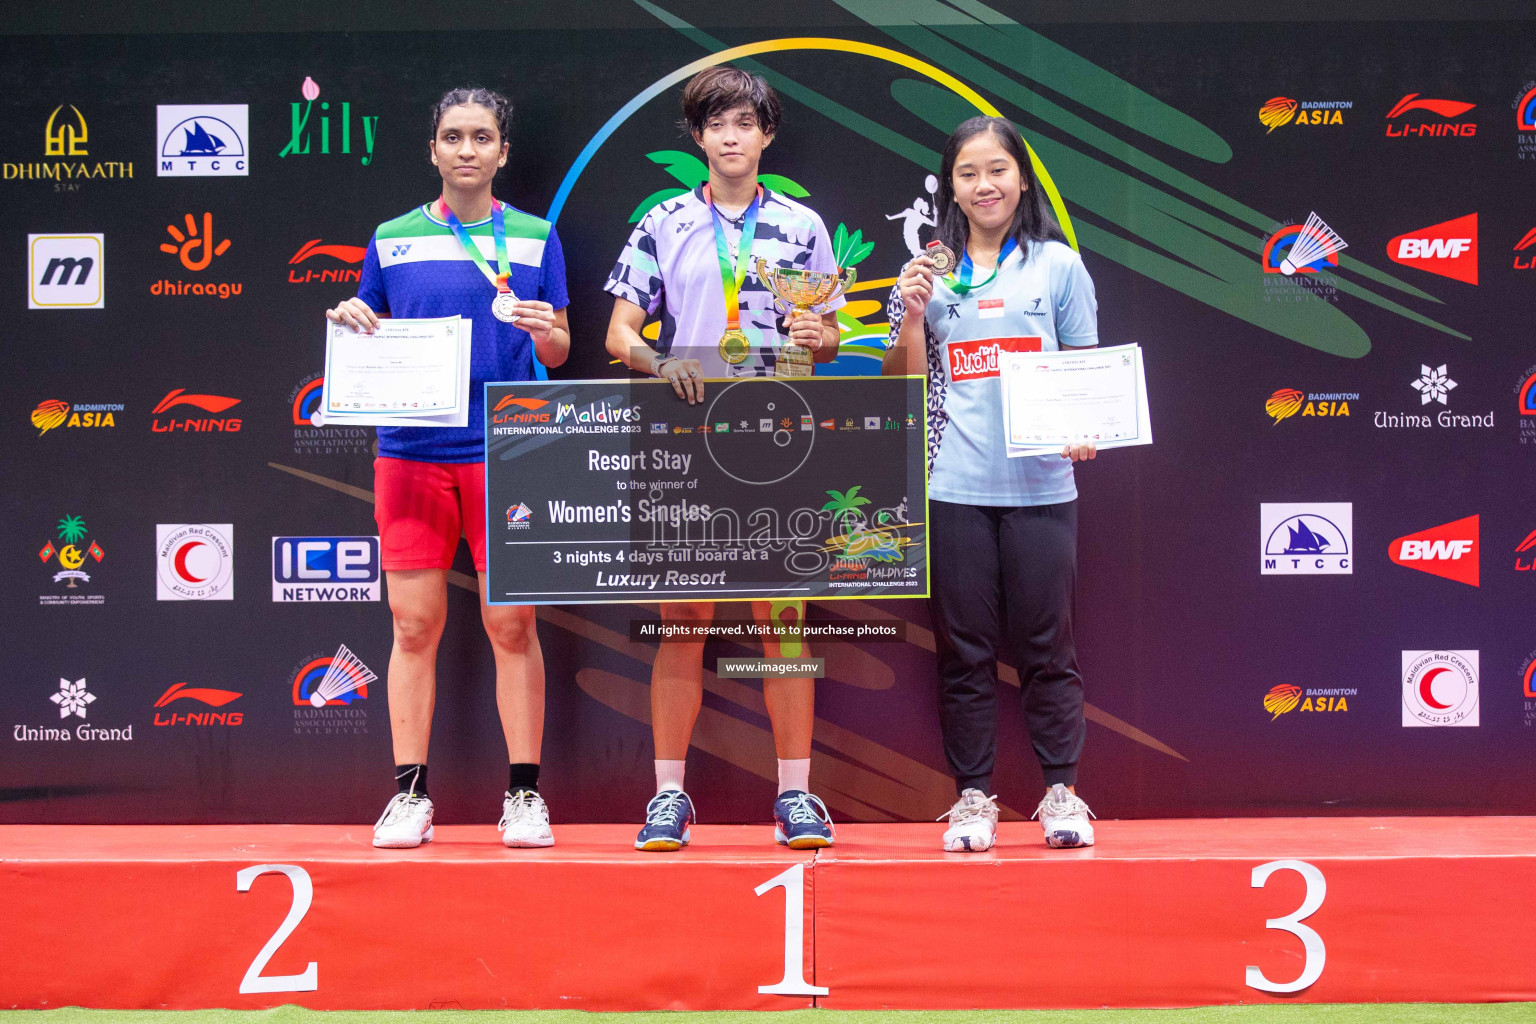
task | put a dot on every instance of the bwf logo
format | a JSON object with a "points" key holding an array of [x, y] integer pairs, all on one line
{"points": [[66, 271]]}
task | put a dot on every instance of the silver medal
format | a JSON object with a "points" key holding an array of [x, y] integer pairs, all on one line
{"points": [[503, 307]]}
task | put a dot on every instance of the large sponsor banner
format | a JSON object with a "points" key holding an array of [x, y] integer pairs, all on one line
{"points": [[1341, 365], [770, 488]]}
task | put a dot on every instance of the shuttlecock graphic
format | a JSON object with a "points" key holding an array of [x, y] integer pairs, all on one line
{"points": [[347, 673], [1315, 242]]}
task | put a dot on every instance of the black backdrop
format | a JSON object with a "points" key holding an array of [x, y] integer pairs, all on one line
{"points": [[1151, 132]]}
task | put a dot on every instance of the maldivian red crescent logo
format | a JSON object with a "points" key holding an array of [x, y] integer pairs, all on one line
{"points": [[211, 697], [527, 403]]}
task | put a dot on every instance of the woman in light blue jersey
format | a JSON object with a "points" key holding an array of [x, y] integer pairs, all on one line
{"points": [[1002, 532]]}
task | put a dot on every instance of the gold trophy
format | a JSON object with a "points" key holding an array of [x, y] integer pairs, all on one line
{"points": [[802, 291]]}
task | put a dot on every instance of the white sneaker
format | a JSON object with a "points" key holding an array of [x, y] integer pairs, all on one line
{"points": [[1065, 818], [406, 822], [525, 820], [972, 823]]}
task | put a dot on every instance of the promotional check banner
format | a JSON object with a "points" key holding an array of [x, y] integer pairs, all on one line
{"points": [[618, 490]]}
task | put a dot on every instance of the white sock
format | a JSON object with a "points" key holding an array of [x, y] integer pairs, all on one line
{"points": [[669, 774], [794, 774]]}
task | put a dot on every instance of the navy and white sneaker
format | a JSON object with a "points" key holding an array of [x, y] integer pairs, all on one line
{"points": [[801, 821], [1065, 819], [667, 819]]}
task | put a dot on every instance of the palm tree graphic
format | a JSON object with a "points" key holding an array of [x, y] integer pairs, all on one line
{"points": [[693, 172], [72, 529]]}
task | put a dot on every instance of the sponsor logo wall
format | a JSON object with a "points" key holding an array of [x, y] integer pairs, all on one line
{"points": [[1299, 256]]}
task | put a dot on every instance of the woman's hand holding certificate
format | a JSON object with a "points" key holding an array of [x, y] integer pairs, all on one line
{"points": [[395, 372]]}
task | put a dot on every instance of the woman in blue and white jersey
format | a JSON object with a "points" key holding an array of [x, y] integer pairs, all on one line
{"points": [[1002, 532]]}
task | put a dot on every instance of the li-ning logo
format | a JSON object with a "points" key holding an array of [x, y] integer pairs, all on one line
{"points": [[973, 360], [1529, 239], [63, 138], [345, 253], [530, 416], [208, 403], [1444, 109], [211, 697]]}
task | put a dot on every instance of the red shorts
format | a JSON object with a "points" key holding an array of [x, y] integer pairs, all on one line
{"points": [[422, 509]]}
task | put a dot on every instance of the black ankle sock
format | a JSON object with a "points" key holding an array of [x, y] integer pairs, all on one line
{"points": [[411, 778], [522, 776]]}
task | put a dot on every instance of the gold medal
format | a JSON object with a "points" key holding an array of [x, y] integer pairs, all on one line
{"points": [[734, 347], [943, 257]]}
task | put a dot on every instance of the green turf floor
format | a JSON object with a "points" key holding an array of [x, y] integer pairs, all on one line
{"points": [[1333, 1013]]}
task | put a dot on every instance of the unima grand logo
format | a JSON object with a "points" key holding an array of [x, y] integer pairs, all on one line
{"points": [[1300, 539], [202, 140], [66, 145], [163, 419], [1440, 688], [66, 271], [196, 248], [194, 562], [74, 700], [1416, 117], [1449, 550], [975, 360], [1448, 249]]}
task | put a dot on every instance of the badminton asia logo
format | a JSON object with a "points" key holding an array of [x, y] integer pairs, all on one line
{"points": [[188, 715], [1282, 110], [1287, 402], [1299, 539], [194, 562], [52, 413], [326, 690], [71, 554], [1415, 117], [1287, 697], [196, 248], [1439, 688]]}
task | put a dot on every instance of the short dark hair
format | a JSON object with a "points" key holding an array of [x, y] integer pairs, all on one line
{"points": [[474, 96], [1032, 221], [722, 88]]}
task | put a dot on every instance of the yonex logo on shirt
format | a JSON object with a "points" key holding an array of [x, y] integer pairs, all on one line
{"points": [[401, 250]]}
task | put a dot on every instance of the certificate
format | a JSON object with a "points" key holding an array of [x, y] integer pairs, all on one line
{"points": [[1074, 396], [406, 373]]}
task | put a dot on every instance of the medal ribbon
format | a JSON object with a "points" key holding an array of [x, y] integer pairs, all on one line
{"points": [[960, 281], [498, 229], [733, 275]]}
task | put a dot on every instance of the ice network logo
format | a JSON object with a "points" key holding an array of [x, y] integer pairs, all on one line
{"points": [[72, 698]]}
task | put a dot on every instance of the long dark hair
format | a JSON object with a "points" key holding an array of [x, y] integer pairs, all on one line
{"points": [[1032, 221]]}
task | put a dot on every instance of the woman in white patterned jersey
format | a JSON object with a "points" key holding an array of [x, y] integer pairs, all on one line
{"points": [[1002, 532]]}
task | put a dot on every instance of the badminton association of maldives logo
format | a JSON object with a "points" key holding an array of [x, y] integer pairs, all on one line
{"points": [[326, 690], [1303, 248]]}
